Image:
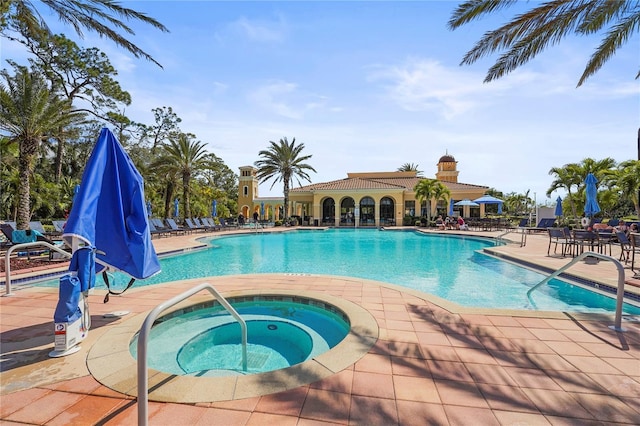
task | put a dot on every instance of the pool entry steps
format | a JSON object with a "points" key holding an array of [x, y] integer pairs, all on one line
{"points": [[143, 337]]}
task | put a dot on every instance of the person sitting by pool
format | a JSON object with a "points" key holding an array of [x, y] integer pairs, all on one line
{"points": [[633, 228], [462, 225], [622, 227], [449, 222], [440, 223]]}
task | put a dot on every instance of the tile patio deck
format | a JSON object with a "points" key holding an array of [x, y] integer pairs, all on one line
{"points": [[433, 362]]}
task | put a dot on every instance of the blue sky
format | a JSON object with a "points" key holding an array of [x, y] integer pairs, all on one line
{"points": [[370, 86]]}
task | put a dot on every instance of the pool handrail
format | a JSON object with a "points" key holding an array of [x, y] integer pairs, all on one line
{"points": [[619, 292], [7, 277], [145, 329]]}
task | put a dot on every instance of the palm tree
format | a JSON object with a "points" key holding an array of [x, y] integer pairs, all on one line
{"points": [[283, 162], [410, 167], [546, 24], [567, 177], [428, 189], [99, 16], [628, 180], [186, 157], [29, 112]]}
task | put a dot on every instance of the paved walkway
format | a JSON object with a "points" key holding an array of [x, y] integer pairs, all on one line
{"points": [[433, 362]]}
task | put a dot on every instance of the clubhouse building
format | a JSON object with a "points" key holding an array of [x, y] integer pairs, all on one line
{"points": [[361, 199]]}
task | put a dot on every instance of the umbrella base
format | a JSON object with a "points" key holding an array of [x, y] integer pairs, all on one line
{"points": [[58, 354]]}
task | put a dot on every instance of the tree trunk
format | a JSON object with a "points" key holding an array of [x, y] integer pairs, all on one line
{"points": [[286, 198], [58, 161], [24, 191], [185, 194]]}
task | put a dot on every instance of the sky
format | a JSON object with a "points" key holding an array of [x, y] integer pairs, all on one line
{"points": [[370, 86]]}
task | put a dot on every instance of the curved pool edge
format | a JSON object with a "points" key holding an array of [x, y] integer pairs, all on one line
{"points": [[110, 362]]}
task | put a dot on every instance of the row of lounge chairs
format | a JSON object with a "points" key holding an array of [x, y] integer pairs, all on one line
{"points": [[169, 227]]}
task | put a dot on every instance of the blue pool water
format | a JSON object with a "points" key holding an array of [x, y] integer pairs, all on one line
{"points": [[446, 266], [207, 341]]}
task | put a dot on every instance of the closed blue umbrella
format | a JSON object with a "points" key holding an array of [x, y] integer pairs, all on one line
{"points": [[149, 208], [558, 211], [75, 192], [176, 208], [262, 210], [450, 207], [214, 208], [591, 206], [109, 212]]}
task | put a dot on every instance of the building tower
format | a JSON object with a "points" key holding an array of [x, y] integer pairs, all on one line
{"points": [[247, 190], [447, 169]]}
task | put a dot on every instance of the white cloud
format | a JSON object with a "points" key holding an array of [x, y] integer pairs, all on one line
{"points": [[262, 30], [285, 99]]}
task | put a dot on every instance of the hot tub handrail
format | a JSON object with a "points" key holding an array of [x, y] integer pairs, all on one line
{"points": [[145, 329], [619, 292]]}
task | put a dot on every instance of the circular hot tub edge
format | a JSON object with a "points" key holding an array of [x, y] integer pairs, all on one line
{"points": [[110, 362]]}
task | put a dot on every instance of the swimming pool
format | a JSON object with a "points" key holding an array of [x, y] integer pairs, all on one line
{"points": [[449, 267]]}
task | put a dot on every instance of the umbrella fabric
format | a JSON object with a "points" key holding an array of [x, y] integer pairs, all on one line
{"points": [[558, 211], [488, 199], [262, 209], [149, 208], [176, 208], [214, 208], [450, 207], [467, 202], [109, 212], [591, 206], [76, 189]]}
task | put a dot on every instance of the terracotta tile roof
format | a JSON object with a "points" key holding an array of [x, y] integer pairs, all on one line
{"points": [[399, 183]]}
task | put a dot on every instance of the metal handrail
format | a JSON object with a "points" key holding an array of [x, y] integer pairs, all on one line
{"points": [[619, 291], [145, 329], [13, 248]]}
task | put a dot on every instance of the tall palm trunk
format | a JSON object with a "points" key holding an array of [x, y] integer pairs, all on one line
{"points": [[286, 197], [186, 178], [27, 153]]}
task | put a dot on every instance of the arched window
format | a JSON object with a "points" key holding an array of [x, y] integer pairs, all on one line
{"points": [[329, 211], [367, 211], [347, 207], [387, 211]]}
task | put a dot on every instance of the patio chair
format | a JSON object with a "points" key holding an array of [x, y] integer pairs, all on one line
{"points": [[605, 238], [557, 236], [635, 248], [625, 247], [211, 224]]}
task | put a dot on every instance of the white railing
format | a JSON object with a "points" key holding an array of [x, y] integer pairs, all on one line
{"points": [[619, 292], [13, 248], [143, 336]]}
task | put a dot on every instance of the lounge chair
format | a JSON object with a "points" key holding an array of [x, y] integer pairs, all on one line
{"points": [[157, 232], [36, 225], [212, 225], [58, 225], [227, 225], [175, 229], [192, 226]]}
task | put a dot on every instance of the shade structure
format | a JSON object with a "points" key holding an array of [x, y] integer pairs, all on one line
{"points": [[591, 206], [149, 209], [109, 213], [262, 209], [214, 208], [176, 208], [467, 202], [450, 213], [489, 199], [558, 211]]}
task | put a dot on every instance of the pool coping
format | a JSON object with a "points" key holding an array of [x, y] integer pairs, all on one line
{"points": [[110, 362]]}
